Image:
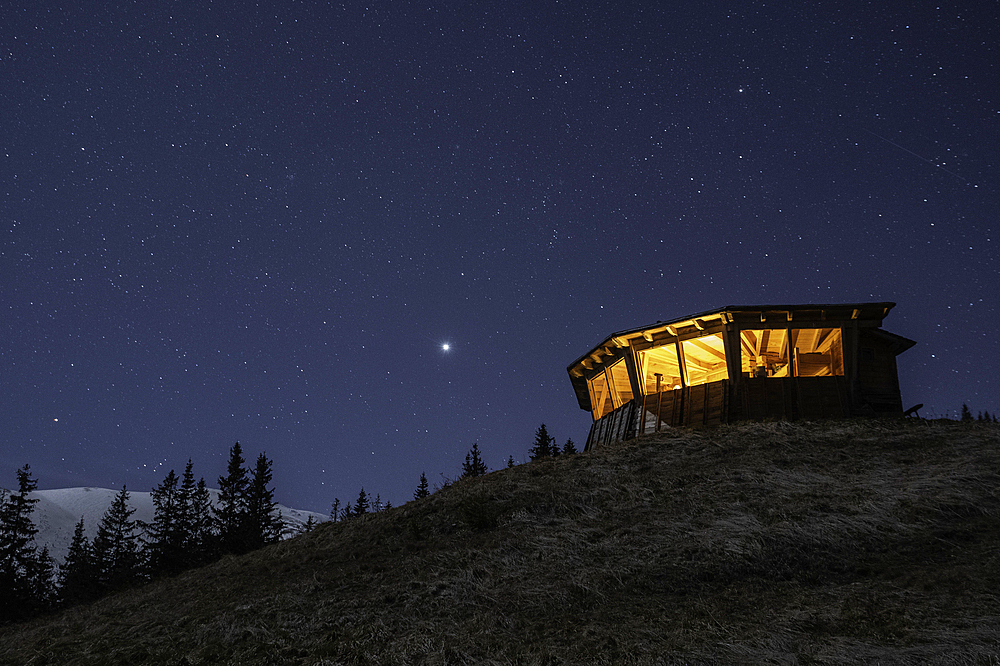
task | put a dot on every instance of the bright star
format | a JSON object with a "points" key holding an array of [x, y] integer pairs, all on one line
{"points": [[445, 347]]}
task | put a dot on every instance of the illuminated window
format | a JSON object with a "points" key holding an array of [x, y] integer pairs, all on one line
{"points": [[776, 352], [600, 396], [621, 387], [704, 359], [765, 353], [660, 361], [819, 352]]}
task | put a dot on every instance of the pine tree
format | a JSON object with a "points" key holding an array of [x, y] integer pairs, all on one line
{"points": [[966, 412], [167, 536], [20, 593], [78, 574], [335, 510], [231, 512], [309, 525], [116, 546], [542, 447], [510, 462], [422, 490], [42, 577], [362, 506], [185, 503], [202, 538], [263, 520], [569, 447], [473, 465]]}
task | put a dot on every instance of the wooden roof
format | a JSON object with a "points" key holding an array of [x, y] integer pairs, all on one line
{"points": [[869, 315]]}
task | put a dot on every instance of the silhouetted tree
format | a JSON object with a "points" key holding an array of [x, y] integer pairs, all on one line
{"points": [[569, 447], [510, 462], [966, 413], [167, 537], [423, 490], [263, 520], [116, 546], [473, 465], [78, 574], [542, 447], [43, 580], [202, 542], [363, 505], [23, 590], [335, 509], [231, 512]]}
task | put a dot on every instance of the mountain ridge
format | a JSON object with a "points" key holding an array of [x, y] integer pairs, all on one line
{"points": [[58, 510]]}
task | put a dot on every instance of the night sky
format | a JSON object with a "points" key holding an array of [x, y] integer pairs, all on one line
{"points": [[263, 223]]}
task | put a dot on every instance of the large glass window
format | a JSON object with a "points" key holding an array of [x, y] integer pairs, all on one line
{"points": [[704, 359], [818, 352], [620, 384], [600, 396], [765, 352], [802, 352], [659, 362], [609, 389]]}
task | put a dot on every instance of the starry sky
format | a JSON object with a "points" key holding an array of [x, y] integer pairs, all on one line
{"points": [[227, 221]]}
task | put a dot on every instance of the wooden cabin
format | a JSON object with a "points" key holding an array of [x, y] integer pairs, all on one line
{"points": [[741, 363]]}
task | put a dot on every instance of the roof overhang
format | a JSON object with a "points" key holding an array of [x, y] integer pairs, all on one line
{"points": [[744, 316]]}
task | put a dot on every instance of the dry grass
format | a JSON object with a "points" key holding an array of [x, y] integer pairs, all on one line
{"points": [[838, 542]]}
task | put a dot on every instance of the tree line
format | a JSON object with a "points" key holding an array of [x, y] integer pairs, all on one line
{"points": [[543, 446], [188, 530]]}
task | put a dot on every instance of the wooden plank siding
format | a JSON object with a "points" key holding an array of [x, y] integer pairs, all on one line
{"points": [[792, 398], [701, 405]]}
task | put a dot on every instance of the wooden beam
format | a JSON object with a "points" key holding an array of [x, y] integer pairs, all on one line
{"points": [[701, 345]]}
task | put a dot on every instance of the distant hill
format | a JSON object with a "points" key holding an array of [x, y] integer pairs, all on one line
{"points": [[58, 511], [839, 542]]}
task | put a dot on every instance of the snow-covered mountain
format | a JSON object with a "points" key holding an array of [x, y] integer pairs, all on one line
{"points": [[58, 511]]}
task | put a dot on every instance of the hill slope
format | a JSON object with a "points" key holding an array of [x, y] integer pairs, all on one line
{"points": [[833, 543]]}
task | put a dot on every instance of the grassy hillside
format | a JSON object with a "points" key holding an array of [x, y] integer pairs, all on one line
{"points": [[834, 542]]}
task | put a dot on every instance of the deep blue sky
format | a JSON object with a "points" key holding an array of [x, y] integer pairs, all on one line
{"points": [[225, 221]]}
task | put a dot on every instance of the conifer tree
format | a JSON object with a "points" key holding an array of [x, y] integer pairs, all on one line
{"points": [[335, 509], [42, 577], [363, 505], [201, 543], [542, 447], [21, 590], [116, 546], [569, 447], [167, 536], [185, 502], [422, 490], [510, 462], [78, 574], [263, 520], [231, 512], [473, 465], [966, 412]]}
